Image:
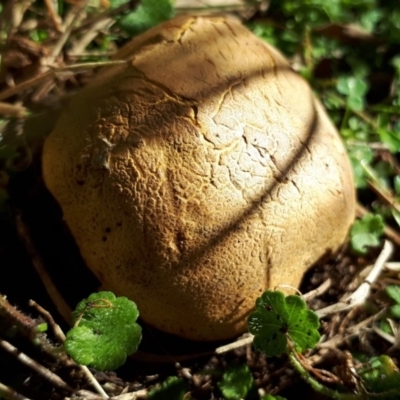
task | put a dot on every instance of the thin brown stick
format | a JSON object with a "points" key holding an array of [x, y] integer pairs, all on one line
{"points": [[13, 110], [30, 83], [110, 13], [248, 339], [93, 381], [59, 334], [55, 19], [321, 374], [57, 331], [353, 331], [48, 62], [346, 320], [84, 394], [385, 195], [90, 35], [35, 366], [319, 290], [17, 14], [389, 338], [358, 297], [67, 30], [24, 323], [393, 266], [62, 306], [10, 394]]}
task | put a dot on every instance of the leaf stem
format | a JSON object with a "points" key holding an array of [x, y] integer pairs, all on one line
{"points": [[317, 386]]}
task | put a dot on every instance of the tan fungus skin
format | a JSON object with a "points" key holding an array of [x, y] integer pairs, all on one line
{"points": [[198, 175]]}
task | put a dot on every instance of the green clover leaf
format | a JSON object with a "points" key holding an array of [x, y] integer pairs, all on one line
{"points": [[393, 291], [278, 318], [355, 89], [172, 388], [381, 377], [105, 331], [236, 382], [146, 15], [366, 232]]}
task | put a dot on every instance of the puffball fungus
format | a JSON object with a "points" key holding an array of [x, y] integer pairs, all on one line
{"points": [[199, 174]]}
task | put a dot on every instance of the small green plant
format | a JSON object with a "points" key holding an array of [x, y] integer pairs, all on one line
{"points": [[393, 291], [354, 89], [173, 388], [366, 233], [148, 14], [236, 382], [381, 375], [285, 325], [278, 321], [105, 331]]}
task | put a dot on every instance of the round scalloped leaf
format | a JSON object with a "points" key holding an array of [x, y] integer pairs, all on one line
{"points": [[303, 324], [278, 318], [266, 323], [236, 382], [106, 331]]}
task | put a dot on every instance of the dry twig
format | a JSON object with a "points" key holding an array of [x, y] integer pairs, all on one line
{"points": [[58, 300], [13, 110], [10, 394], [35, 366], [61, 337], [247, 339], [353, 331], [358, 297], [54, 17], [318, 291], [31, 83], [57, 331]]}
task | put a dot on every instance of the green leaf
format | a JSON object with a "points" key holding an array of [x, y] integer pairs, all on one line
{"points": [[148, 14], [270, 397], [277, 318], [370, 18], [382, 377], [106, 331], [395, 311], [395, 215], [366, 233], [351, 86], [39, 35], [356, 103], [42, 327], [393, 291], [172, 388], [236, 382], [391, 139], [396, 184], [385, 327], [360, 156], [117, 3], [355, 90]]}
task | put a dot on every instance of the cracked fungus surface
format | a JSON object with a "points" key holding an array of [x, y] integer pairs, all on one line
{"points": [[198, 175]]}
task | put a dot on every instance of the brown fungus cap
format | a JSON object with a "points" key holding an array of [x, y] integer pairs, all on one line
{"points": [[198, 175]]}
